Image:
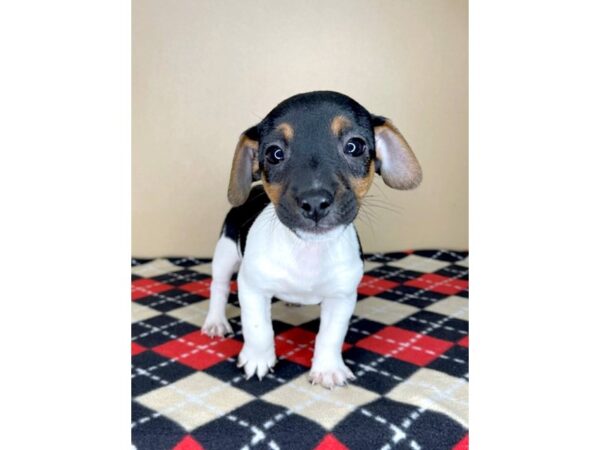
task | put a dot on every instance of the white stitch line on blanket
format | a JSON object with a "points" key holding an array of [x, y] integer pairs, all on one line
{"points": [[225, 384], [194, 261], [174, 299], [177, 277], [383, 256], [411, 341], [294, 350], [398, 435], [430, 401], [197, 348], [416, 268], [155, 329], [206, 282], [414, 295], [454, 270], [406, 343], [445, 327], [195, 345], [193, 352], [415, 414], [377, 257], [165, 299], [414, 445], [188, 398], [372, 369], [315, 396], [196, 398], [419, 265], [258, 435]]}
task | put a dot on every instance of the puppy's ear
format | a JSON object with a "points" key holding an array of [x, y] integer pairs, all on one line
{"points": [[244, 168], [396, 162]]}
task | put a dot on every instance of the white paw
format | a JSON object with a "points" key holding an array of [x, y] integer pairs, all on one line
{"points": [[331, 374], [256, 362], [216, 326]]}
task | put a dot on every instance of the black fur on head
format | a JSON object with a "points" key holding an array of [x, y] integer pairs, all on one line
{"points": [[316, 154]]}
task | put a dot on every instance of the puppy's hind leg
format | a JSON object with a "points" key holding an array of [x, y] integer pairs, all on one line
{"points": [[225, 262]]}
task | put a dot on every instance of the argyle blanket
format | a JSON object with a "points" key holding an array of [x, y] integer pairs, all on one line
{"points": [[407, 345]]}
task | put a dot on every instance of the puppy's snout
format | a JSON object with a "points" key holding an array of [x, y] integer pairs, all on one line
{"points": [[315, 204]]}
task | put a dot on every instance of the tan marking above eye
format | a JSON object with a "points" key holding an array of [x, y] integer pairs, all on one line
{"points": [[338, 124], [361, 186], [287, 130]]}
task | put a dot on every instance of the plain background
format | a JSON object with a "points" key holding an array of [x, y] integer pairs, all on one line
{"points": [[204, 71]]}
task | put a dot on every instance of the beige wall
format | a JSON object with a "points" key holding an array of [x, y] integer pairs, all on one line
{"points": [[204, 71]]}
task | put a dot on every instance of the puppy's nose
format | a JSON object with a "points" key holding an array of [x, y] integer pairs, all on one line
{"points": [[315, 204]]}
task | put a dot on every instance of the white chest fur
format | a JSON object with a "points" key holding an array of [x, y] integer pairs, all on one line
{"points": [[297, 270]]}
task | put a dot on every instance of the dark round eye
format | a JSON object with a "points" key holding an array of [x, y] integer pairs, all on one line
{"points": [[274, 154], [355, 147]]}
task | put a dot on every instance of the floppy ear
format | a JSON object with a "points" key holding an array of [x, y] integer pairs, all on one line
{"points": [[244, 168], [396, 162]]}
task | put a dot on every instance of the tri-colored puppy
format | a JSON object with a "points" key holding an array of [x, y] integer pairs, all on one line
{"points": [[292, 237]]}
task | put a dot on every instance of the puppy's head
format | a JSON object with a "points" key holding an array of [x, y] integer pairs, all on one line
{"points": [[317, 154]]}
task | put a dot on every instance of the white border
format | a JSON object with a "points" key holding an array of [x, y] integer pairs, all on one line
{"points": [[65, 183], [65, 180], [534, 110]]}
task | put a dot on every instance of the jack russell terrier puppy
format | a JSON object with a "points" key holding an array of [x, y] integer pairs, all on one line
{"points": [[293, 236]]}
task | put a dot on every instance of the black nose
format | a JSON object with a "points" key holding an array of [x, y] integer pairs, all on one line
{"points": [[315, 204]]}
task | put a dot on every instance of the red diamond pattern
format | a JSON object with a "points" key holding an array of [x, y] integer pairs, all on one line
{"points": [[463, 444], [145, 287], [297, 345], [405, 345], [188, 443], [438, 283], [329, 442], [376, 335], [198, 350], [136, 349], [201, 287], [372, 286]]}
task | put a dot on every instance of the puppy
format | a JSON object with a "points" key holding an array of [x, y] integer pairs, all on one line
{"points": [[292, 237]]}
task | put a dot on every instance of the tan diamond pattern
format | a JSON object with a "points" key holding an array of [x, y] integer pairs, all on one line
{"points": [[195, 400], [383, 311], [327, 407], [436, 391], [196, 312]]}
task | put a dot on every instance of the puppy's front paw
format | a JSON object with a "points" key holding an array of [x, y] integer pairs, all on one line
{"points": [[256, 362], [216, 326], [331, 374]]}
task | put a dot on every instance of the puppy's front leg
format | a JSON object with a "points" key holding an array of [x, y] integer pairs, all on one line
{"points": [[258, 354], [328, 368]]}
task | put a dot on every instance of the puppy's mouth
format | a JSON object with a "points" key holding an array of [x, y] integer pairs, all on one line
{"points": [[337, 219], [319, 233], [317, 228]]}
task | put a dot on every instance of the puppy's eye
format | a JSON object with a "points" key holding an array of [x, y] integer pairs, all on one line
{"points": [[355, 147], [274, 154]]}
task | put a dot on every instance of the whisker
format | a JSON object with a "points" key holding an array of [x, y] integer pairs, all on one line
{"points": [[376, 202]]}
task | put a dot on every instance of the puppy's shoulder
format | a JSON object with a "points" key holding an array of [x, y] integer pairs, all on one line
{"points": [[239, 219]]}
